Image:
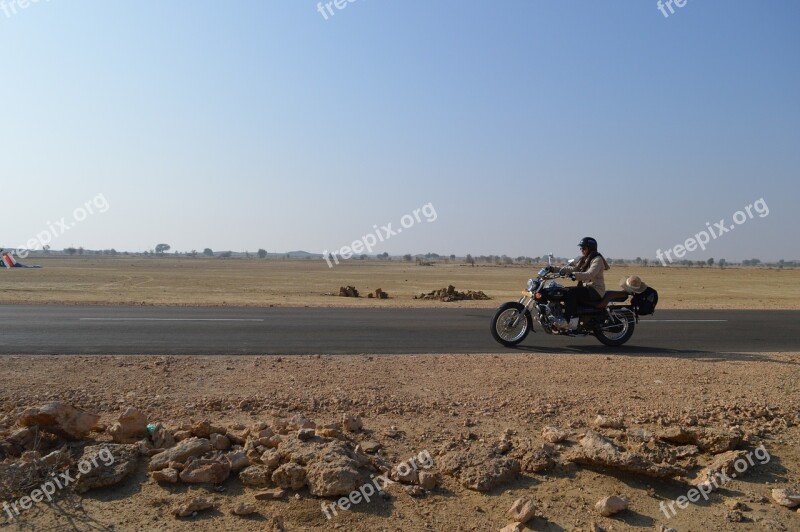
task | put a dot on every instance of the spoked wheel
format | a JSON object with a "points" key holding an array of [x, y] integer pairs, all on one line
{"points": [[511, 324], [617, 327]]}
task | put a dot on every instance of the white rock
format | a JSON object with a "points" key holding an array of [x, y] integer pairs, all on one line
{"points": [[193, 505], [522, 510], [607, 422], [352, 423], [611, 505], [786, 497], [554, 435]]}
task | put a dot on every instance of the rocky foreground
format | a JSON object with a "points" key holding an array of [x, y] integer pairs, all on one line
{"points": [[531, 442]]}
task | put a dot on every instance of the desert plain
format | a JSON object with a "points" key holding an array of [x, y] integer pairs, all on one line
{"points": [[559, 430]]}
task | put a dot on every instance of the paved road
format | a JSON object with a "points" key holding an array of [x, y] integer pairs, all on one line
{"points": [[53, 329]]}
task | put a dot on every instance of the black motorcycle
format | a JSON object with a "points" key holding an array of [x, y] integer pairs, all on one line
{"points": [[611, 320]]}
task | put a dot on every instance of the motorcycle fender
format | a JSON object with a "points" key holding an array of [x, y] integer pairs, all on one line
{"points": [[629, 307]]}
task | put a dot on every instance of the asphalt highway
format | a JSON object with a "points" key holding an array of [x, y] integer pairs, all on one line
{"points": [[52, 329]]}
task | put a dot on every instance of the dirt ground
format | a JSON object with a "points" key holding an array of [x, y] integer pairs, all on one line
{"points": [[219, 282], [431, 401], [412, 404]]}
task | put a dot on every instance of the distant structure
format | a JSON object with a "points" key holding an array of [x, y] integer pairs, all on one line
{"points": [[8, 261]]}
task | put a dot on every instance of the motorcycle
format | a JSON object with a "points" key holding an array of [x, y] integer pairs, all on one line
{"points": [[610, 320]]}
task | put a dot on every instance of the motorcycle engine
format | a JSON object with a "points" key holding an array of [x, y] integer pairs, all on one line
{"points": [[554, 311]]}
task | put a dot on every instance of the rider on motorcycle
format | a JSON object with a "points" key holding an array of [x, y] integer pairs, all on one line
{"points": [[591, 286]]}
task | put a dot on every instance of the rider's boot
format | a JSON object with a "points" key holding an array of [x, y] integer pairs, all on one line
{"points": [[573, 324]]}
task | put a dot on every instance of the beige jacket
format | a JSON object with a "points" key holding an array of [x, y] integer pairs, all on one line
{"points": [[593, 276]]}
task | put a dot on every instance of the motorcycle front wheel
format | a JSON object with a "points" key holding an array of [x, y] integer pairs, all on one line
{"points": [[617, 328], [511, 323]]}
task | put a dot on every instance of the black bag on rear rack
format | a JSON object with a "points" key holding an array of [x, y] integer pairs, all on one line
{"points": [[645, 303]]}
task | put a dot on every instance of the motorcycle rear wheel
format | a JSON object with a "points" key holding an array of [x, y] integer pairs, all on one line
{"points": [[502, 331], [616, 329]]}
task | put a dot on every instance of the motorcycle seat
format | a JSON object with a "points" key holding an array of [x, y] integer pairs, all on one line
{"points": [[615, 296]]}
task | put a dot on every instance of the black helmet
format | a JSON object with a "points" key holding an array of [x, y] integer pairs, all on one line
{"points": [[588, 242]]}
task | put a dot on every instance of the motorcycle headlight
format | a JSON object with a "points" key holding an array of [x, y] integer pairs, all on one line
{"points": [[531, 284]]}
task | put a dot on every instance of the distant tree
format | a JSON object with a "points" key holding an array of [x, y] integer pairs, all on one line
{"points": [[46, 249], [208, 253], [161, 248], [384, 255], [226, 254], [362, 257], [638, 260], [781, 263], [193, 253], [722, 263], [469, 260], [71, 251], [80, 250], [262, 253], [710, 261], [452, 257], [407, 257]]}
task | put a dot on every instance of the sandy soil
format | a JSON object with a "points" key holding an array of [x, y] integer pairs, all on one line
{"points": [[218, 282], [433, 400]]}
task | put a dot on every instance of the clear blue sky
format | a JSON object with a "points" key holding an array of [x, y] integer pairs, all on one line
{"points": [[527, 124]]}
